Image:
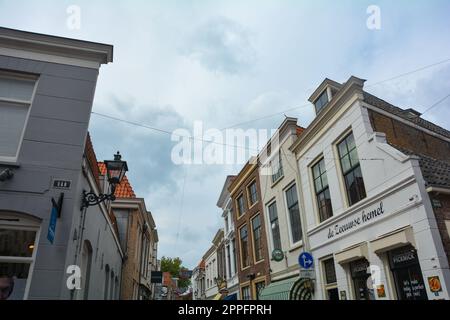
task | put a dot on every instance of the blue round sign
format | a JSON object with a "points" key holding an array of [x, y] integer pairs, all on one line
{"points": [[305, 260]]}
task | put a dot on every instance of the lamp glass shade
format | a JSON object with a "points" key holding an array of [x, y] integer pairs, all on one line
{"points": [[116, 169]]}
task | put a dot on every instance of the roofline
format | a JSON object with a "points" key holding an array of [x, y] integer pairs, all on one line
{"points": [[438, 190], [325, 83], [225, 192], [353, 86], [56, 45]]}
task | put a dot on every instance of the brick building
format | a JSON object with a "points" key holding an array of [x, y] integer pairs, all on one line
{"points": [[251, 249], [139, 239]]}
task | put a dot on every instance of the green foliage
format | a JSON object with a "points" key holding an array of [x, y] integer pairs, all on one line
{"points": [[175, 267]]}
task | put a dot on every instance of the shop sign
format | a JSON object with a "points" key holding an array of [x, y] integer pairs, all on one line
{"points": [[435, 285], [307, 274], [356, 221], [381, 292], [404, 257]]}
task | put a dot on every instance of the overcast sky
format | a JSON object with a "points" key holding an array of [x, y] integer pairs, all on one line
{"points": [[226, 62]]}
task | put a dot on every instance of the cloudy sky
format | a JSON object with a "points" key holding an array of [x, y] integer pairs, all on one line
{"points": [[228, 62]]}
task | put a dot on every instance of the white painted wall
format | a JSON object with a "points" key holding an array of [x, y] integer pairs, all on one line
{"points": [[390, 177]]}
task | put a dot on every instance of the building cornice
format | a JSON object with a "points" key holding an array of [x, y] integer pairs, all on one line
{"points": [[56, 49]]}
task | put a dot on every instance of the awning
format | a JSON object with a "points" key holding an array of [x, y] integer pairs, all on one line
{"points": [[287, 289], [217, 296], [353, 253], [393, 240], [231, 297]]}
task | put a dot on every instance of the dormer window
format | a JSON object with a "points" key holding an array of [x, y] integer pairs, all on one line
{"points": [[321, 102]]}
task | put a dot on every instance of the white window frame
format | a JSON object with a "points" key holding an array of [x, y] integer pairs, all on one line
{"points": [[25, 103], [26, 224], [269, 224], [288, 218]]}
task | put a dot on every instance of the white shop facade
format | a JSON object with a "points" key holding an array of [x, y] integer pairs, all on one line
{"points": [[370, 224], [386, 236]]}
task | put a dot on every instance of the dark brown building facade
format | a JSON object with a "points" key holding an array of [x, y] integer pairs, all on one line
{"points": [[251, 245]]}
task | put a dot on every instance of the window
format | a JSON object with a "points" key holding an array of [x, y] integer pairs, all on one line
{"points": [[17, 253], [243, 234], [233, 243], [330, 279], [322, 191], [257, 237], [226, 224], [246, 293], [259, 286], [86, 262], [351, 170], [229, 261], [16, 93], [240, 205], [321, 102], [294, 214], [252, 193], [274, 226], [277, 168]]}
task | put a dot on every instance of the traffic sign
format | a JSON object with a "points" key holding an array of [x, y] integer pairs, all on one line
{"points": [[305, 260]]}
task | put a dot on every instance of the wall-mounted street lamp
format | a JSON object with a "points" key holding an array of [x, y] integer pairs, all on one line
{"points": [[115, 171]]}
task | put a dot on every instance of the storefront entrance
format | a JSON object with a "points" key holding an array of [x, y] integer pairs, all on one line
{"points": [[407, 274], [360, 275]]}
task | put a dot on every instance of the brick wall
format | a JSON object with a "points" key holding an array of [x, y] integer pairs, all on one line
{"points": [[442, 213], [260, 270], [408, 137]]}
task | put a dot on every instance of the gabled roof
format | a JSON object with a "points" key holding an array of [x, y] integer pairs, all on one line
{"points": [[124, 189]]}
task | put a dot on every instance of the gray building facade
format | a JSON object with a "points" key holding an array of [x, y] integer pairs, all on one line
{"points": [[47, 87]]}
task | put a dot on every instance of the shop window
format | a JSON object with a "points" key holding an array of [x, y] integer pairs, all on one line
{"points": [[18, 242], [294, 214], [330, 282], [274, 225], [257, 238], [407, 274], [259, 286], [359, 274], [246, 293], [351, 170], [322, 191]]}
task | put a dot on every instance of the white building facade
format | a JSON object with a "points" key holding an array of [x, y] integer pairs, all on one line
{"points": [[280, 191], [232, 280], [369, 219]]}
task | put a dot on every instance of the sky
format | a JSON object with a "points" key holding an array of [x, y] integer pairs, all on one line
{"points": [[228, 62]]}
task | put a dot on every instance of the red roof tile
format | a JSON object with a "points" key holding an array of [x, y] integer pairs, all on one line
{"points": [[124, 189]]}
